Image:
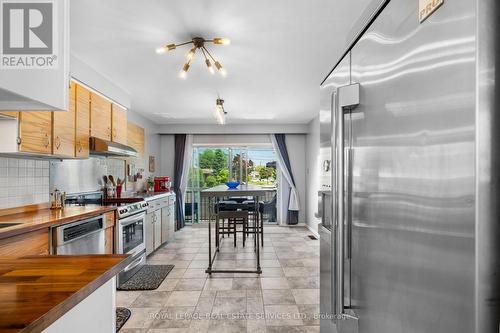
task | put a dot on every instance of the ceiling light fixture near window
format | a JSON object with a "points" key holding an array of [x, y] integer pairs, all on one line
{"points": [[220, 113], [198, 43]]}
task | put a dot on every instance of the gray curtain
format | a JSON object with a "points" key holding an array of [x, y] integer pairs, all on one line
{"points": [[180, 147], [293, 215]]}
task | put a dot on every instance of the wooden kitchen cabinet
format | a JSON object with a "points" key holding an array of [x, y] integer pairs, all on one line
{"points": [[109, 235], [109, 232], [35, 132], [29, 244], [63, 128], [119, 124], [82, 125], [135, 138], [100, 117]]}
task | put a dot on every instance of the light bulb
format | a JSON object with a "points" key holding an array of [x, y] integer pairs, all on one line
{"points": [[161, 50], [220, 116], [190, 54], [223, 72], [222, 41], [209, 66], [183, 72]]}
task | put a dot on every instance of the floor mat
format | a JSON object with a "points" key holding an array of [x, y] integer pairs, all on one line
{"points": [[122, 315], [149, 277]]}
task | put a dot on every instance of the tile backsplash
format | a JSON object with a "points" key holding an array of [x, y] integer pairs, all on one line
{"points": [[23, 182]]}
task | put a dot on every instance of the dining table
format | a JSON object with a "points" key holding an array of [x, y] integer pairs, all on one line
{"points": [[220, 192]]}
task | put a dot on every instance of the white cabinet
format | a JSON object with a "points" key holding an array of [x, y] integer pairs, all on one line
{"points": [[160, 222], [153, 230], [36, 80], [157, 228], [150, 233]]}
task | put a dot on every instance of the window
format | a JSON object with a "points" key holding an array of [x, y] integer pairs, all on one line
{"points": [[212, 166]]}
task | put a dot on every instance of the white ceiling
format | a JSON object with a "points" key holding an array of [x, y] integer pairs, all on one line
{"points": [[280, 51]]}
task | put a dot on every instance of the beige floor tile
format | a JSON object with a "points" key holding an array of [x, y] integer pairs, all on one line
{"points": [[272, 297], [246, 283], [306, 296], [168, 285], [283, 315], [270, 263], [227, 326], [272, 272], [300, 271], [183, 298], [193, 273], [307, 282], [218, 284], [190, 284], [199, 325], [125, 298], [168, 330], [198, 264], [256, 326], [310, 314], [141, 317], [229, 306], [173, 317], [151, 299], [274, 283]]}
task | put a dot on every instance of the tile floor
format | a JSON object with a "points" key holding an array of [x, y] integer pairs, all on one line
{"points": [[285, 298]]}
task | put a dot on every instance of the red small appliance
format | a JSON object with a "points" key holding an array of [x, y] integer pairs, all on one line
{"points": [[162, 184]]}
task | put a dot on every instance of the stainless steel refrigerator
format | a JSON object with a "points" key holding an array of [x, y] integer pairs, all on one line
{"points": [[410, 201]]}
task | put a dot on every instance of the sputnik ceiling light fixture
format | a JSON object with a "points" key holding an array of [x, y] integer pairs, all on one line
{"points": [[220, 112], [198, 43]]}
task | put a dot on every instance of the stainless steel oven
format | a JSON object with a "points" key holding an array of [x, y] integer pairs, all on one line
{"points": [[130, 236]]}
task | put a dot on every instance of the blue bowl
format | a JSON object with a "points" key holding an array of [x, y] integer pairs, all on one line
{"points": [[233, 184]]}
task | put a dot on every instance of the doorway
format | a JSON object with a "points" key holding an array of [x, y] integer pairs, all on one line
{"points": [[216, 165]]}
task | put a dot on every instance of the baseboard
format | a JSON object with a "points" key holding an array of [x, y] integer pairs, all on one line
{"points": [[314, 232]]}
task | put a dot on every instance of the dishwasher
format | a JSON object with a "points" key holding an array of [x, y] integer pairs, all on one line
{"points": [[81, 237]]}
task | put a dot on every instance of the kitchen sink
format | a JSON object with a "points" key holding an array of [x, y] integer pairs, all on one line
{"points": [[6, 225]]}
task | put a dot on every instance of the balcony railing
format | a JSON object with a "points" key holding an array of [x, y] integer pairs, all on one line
{"points": [[200, 210]]}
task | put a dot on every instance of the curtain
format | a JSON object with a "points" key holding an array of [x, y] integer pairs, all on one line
{"points": [[180, 152], [279, 145]]}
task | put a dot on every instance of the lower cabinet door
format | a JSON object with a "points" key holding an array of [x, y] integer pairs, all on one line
{"points": [[157, 228], [108, 242], [149, 235], [165, 229]]}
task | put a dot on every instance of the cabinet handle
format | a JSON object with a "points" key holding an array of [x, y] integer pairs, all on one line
{"points": [[58, 142], [18, 140], [80, 146], [47, 140]]}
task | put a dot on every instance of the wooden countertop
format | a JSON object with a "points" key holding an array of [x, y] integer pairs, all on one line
{"points": [[44, 218], [36, 291]]}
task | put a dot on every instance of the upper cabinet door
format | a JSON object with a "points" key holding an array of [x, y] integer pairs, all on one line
{"points": [[135, 138], [30, 79], [100, 117], [119, 124], [35, 132], [82, 122], [63, 130]]}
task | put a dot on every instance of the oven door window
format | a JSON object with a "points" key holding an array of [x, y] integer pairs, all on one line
{"points": [[132, 235]]}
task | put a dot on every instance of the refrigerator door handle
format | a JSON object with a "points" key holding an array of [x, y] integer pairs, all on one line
{"points": [[347, 98]]}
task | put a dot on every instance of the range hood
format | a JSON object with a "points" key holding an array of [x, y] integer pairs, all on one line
{"points": [[99, 147]]}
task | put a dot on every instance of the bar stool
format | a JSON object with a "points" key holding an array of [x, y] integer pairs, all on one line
{"points": [[249, 205], [233, 217]]}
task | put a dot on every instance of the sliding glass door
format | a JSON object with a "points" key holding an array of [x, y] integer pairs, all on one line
{"points": [[214, 166]]}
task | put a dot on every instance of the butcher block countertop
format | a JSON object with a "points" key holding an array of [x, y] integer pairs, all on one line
{"points": [[44, 218], [36, 291]]}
